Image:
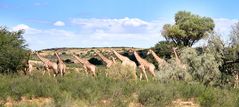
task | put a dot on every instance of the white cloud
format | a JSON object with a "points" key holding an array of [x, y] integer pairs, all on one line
{"points": [[59, 23], [131, 32], [124, 25], [224, 27], [21, 27]]}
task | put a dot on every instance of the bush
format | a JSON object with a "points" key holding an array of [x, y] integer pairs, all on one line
{"points": [[78, 89], [13, 52], [119, 72]]}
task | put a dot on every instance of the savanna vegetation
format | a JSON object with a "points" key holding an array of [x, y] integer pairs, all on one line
{"points": [[209, 77]]}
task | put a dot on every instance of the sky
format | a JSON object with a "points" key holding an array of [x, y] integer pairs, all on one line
{"points": [[107, 23]]}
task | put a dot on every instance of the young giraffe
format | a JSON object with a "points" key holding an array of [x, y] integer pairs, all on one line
{"points": [[60, 65], [48, 65], [161, 62], [178, 61], [28, 66], [144, 65], [86, 64], [127, 62]]}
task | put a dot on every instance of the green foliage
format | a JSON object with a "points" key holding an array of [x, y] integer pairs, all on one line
{"points": [[205, 66], [188, 28], [117, 71], [12, 51], [78, 89], [164, 49]]}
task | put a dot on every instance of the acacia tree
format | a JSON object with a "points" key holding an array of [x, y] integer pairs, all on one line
{"points": [[188, 28], [13, 51]]}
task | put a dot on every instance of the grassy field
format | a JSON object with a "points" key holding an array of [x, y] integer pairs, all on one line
{"points": [[79, 90]]}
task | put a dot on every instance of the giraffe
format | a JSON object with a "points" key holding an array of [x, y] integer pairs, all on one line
{"points": [[86, 64], [27, 65], [108, 62], [48, 65], [161, 62], [144, 65], [178, 61], [126, 62], [60, 65], [28, 68]]}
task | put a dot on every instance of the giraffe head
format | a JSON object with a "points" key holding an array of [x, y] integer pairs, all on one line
{"points": [[175, 48], [55, 53], [96, 53], [131, 50], [149, 51]]}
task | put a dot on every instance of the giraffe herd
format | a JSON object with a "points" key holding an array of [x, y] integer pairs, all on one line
{"points": [[144, 65]]}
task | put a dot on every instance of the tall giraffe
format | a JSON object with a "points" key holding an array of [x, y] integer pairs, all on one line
{"points": [[144, 65], [178, 61], [60, 65], [48, 65], [108, 62], [86, 64], [127, 62], [161, 62]]}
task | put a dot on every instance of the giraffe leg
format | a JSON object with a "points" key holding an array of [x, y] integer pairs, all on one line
{"points": [[49, 72], [85, 69], [145, 75], [140, 76], [46, 70], [92, 69], [135, 76], [134, 73], [61, 71], [151, 70], [64, 70], [30, 69], [143, 72]]}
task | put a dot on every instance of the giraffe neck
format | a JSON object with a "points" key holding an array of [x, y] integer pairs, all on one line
{"points": [[79, 59], [156, 57], [176, 56], [139, 59], [122, 58], [59, 59], [103, 58], [44, 60], [113, 59]]}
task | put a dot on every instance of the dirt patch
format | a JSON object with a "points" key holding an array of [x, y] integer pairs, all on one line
{"points": [[184, 103], [38, 102]]}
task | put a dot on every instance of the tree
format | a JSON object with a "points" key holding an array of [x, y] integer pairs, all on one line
{"points": [[13, 51], [188, 28], [205, 66]]}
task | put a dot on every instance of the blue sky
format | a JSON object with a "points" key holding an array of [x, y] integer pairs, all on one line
{"points": [[96, 23]]}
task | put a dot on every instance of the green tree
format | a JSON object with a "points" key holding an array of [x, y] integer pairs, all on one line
{"points": [[13, 51], [188, 28], [204, 66]]}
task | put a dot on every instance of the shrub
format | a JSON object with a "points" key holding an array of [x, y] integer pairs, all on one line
{"points": [[13, 51], [119, 72]]}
